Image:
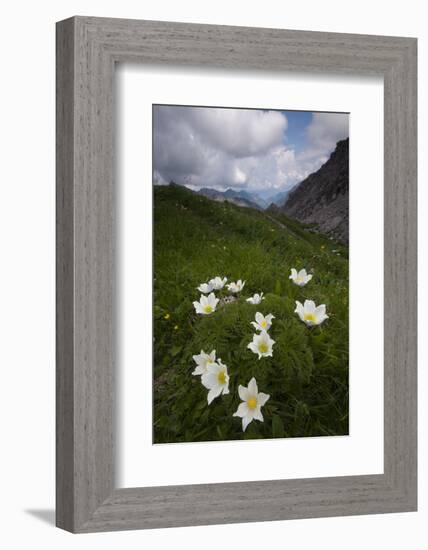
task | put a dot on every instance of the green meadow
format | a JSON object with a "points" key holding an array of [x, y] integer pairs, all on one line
{"points": [[196, 239]]}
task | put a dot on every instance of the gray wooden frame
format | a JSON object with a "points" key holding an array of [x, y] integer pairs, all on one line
{"points": [[87, 50]]}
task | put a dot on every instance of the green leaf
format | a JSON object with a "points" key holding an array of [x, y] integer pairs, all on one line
{"points": [[277, 426], [157, 312], [176, 350]]}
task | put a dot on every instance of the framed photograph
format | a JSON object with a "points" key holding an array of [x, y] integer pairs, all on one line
{"points": [[268, 171], [236, 274]]}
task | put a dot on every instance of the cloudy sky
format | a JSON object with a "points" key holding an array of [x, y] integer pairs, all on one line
{"points": [[260, 151]]}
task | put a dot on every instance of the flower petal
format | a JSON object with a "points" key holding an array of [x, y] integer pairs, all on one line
{"points": [[252, 387], [242, 410], [197, 358], [321, 319], [246, 420], [253, 347], [320, 310], [209, 380], [257, 414], [243, 392], [199, 370], [309, 306], [213, 393], [259, 317], [198, 307], [299, 308], [262, 398], [214, 368]]}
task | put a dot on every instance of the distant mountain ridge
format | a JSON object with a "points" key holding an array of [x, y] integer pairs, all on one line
{"points": [[240, 198], [248, 199], [280, 198], [323, 197]]}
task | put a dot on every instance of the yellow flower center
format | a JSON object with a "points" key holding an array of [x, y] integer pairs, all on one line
{"points": [[208, 309], [263, 324], [252, 403], [221, 377], [263, 347], [309, 317]]}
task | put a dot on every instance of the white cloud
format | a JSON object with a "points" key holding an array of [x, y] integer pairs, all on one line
{"points": [[240, 148], [326, 129], [239, 132]]}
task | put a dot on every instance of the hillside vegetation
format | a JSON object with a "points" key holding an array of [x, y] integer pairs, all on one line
{"points": [[196, 239]]}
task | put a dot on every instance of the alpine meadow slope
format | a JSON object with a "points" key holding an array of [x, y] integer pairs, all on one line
{"points": [[196, 239]]}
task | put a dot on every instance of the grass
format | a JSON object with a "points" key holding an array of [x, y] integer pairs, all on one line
{"points": [[196, 239]]}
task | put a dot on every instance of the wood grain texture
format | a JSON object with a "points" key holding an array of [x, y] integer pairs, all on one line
{"points": [[87, 49], [64, 276]]}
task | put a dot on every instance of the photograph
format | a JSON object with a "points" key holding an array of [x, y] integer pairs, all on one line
{"points": [[250, 273], [210, 306]]}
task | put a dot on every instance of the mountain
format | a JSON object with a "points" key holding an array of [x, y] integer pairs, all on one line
{"points": [[251, 197], [322, 198], [279, 199], [240, 198]]}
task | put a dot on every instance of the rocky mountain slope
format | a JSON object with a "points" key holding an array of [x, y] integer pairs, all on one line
{"points": [[322, 198]]}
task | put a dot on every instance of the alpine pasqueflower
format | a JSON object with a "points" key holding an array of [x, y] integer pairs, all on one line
{"points": [[217, 283], [262, 322], [310, 314], [216, 380], [206, 304], [236, 287], [262, 344], [202, 361], [256, 299], [205, 288], [301, 278], [253, 401]]}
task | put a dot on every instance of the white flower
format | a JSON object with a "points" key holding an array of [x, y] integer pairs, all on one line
{"points": [[206, 288], [310, 314], [262, 322], [218, 283], [262, 344], [301, 278], [253, 401], [205, 306], [256, 299], [202, 361], [236, 287], [216, 380]]}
